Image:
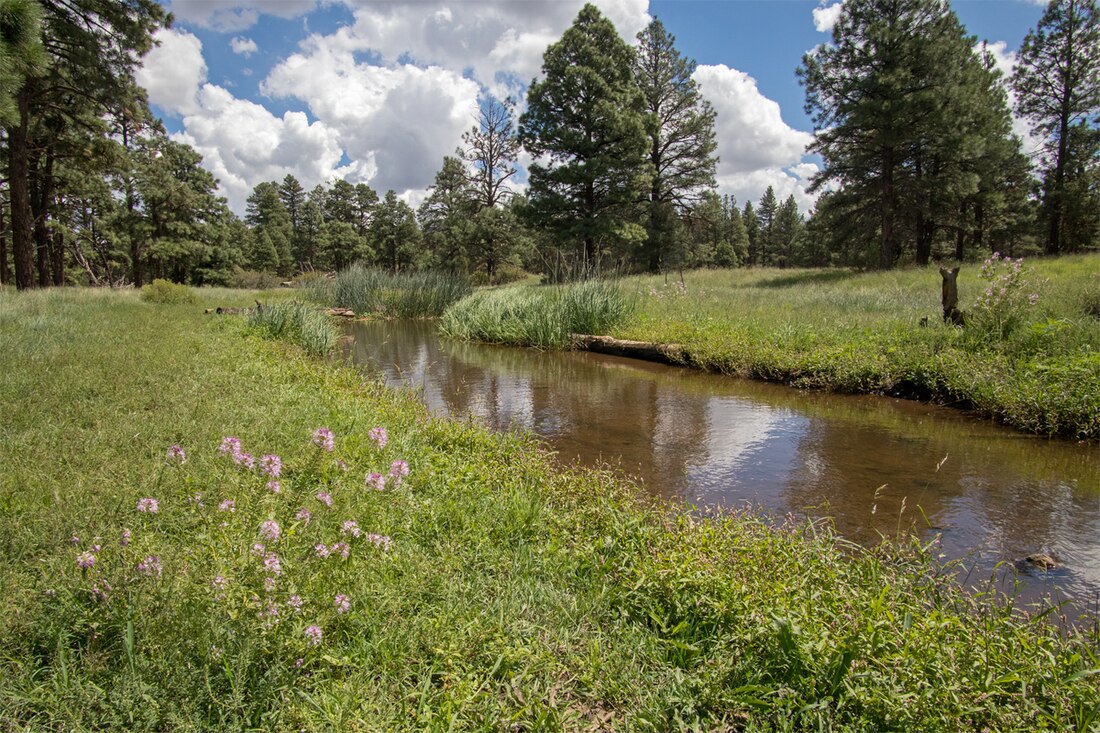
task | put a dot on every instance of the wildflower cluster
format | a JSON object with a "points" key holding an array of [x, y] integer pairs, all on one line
{"points": [[1000, 308]]}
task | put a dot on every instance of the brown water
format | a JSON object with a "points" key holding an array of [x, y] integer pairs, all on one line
{"points": [[873, 464]]}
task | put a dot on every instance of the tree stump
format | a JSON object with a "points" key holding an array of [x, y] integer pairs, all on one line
{"points": [[951, 310]]}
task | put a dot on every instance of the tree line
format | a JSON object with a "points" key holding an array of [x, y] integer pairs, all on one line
{"points": [[912, 120]]}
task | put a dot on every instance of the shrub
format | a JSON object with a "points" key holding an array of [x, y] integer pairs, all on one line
{"points": [[255, 279], [165, 291]]}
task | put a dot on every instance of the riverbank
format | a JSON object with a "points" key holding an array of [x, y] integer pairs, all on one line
{"points": [[484, 589], [1030, 358]]}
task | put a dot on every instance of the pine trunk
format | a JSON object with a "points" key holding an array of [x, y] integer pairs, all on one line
{"points": [[22, 242]]}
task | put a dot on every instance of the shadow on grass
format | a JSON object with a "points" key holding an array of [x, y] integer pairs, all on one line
{"points": [[811, 277]]}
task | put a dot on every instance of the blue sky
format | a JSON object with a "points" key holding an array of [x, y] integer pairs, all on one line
{"points": [[379, 92]]}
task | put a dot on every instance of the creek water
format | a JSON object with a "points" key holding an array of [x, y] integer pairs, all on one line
{"points": [[875, 465]]}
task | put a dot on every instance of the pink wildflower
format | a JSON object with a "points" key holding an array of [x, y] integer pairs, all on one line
{"points": [[74, 540], [341, 465], [342, 603], [270, 531], [150, 506], [324, 498], [125, 538], [322, 438], [398, 470], [294, 603], [274, 486], [258, 548], [376, 481], [343, 548], [271, 465], [150, 566], [175, 453], [272, 564], [196, 499], [228, 506], [245, 459], [314, 634], [101, 590], [321, 549], [304, 515], [230, 445], [380, 540], [85, 560], [219, 583], [269, 584], [379, 436], [350, 527]]}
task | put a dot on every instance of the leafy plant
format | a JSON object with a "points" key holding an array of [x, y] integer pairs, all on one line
{"points": [[167, 292]]}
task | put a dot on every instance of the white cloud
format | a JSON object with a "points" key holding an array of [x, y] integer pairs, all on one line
{"points": [[230, 16], [243, 46], [242, 144], [172, 71], [756, 148], [399, 121], [826, 16]]}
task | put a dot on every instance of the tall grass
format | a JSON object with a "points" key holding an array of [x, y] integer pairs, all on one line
{"points": [[513, 594], [380, 293], [538, 316], [297, 323]]}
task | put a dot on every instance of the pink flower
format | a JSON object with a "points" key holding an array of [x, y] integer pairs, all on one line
{"points": [[100, 590], [85, 560], [228, 506], [314, 634], [270, 531], [125, 538], [379, 436], [294, 603], [380, 540], [350, 527], [258, 549], [175, 453], [322, 438], [150, 566], [269, 584], [196, 499], [274, 486], [1033, 299], [304, 515], [376, 481], [74, 540], [398, 470], [272, 564], [342, 603], [321, 549], [150, 506], [230, 445], [244, 459], [219, 583], [324, 498], [341, 465], [343, 548], [271, 465]]}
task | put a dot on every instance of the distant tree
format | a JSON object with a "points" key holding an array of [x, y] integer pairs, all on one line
{"points": [[680, 129], [446, 216], [765, 238], [1057, 83], [343, 245], [490, 149], [270, 222], [787, 234], [395, 235], [752, 232], [584, 127], [311, 230], [293, 196]]}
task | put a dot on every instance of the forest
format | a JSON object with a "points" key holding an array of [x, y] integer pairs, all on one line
{"points": [[912, 125]]}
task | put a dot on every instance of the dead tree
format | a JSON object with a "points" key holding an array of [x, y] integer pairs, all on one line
{"points": [[951, 310]]}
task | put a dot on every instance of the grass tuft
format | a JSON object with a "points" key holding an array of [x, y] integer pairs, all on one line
{"points": [[383, 294], [297, 323]]}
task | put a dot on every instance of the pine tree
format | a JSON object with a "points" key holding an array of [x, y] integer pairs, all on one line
{"points": [[293, 196], [752, 232], [680, 128], [395, 235], [1057, 83], [765, 238], [585, 129], [445, 216]]}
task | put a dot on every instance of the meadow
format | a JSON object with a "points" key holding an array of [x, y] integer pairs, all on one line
{"points": [[202, 528]]}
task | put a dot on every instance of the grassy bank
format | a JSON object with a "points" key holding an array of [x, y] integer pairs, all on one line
{"points": [[483, 589]]}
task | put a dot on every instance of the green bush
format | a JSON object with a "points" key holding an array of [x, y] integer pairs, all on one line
{"points": [[165, 291], [255, 279]]}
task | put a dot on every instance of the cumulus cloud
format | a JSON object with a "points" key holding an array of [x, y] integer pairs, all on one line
{"points": [[243, 46], [1005, 62], [173, 71], [242, 144], [826, 16], [230, 16], [756, 148]]}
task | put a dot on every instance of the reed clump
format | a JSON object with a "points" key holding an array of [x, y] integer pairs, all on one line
{"points": [[370, 291], [540, 316], [297, 323]]}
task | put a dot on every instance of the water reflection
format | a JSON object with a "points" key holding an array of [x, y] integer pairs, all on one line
{"points": [[875, 465]]}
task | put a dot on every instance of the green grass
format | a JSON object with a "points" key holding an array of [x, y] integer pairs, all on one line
{"points": [[516, 595], [298, 323], [383, 294], [538, 316], [861, 332]]}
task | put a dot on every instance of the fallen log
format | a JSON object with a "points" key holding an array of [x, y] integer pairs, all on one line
{"points": [[660, 353]]}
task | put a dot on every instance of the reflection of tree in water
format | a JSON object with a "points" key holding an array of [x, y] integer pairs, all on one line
{"points": [[713, 439]]}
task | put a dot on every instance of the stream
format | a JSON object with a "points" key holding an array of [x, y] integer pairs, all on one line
{"points": [[875, 465]]}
